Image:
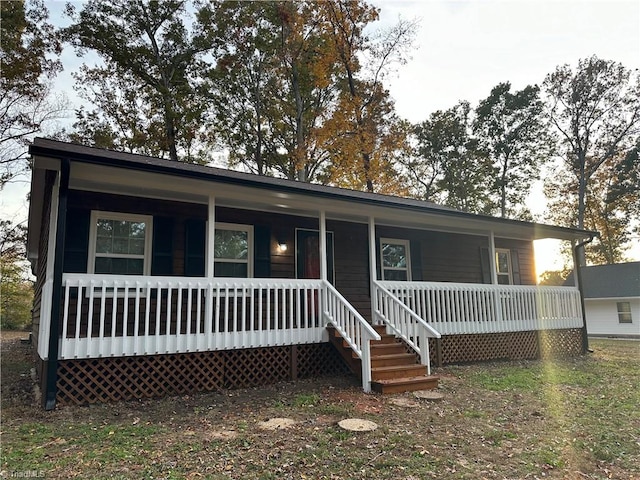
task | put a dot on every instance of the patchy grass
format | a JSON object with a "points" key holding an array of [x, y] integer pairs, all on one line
{"points": [[564, 419]]}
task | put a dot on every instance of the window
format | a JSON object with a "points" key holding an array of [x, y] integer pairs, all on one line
{"points": [[120, 244], [395, 259], [233, 250], [624, 312], [503, 266]]}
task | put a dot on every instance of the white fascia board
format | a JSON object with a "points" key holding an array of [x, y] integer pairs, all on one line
{"points": [[612, 299]]}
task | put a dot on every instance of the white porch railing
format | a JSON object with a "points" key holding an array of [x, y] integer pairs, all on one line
{"points": [[464, 308], [108, 315], [355, 330], [403, 322]]}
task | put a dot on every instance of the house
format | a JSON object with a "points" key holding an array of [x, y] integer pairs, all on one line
{"points": [[158, 277], [612, 299]]}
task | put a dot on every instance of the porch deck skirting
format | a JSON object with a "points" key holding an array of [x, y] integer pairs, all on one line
{"points": [[98, 380], [524, 345]]}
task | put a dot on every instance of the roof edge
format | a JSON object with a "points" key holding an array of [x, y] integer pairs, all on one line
{"points": [[92, 155]]}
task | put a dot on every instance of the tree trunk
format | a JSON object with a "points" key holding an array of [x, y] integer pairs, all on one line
{"points": [[300, 164], [170, 129], [582, 189]]}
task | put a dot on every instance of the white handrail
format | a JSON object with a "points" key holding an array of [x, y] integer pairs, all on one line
{"points": [[353, 328], [404, 322]]}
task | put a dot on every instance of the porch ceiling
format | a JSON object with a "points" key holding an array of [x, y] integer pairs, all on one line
{"points": [[154, 185]]}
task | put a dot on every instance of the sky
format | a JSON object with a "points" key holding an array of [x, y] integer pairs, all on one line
{"points": [[462, 50]]}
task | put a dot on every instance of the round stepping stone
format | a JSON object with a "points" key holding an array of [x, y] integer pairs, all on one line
{"points": [[223, 435], [431, 395], [277, 424], [404, 402], [357, 425]]}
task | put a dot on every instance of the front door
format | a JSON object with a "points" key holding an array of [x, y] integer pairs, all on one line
{"points": [[308, 254]]}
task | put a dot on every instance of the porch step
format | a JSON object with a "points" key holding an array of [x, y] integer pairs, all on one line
{"points": [[398, 371], [392, 359], [393, 368], [394, 348], [407, 384]]}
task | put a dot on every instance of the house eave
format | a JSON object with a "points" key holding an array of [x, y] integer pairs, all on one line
{"points": [[354, 205]]}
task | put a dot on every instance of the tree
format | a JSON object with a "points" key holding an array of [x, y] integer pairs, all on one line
{"points": [[447, 165], [596, 111], [610, 214], [273, 86], [365, 136], [511, 128], [16, 290], [626, 185], [554, 278], [150, 50], [29, 52], [298, 92]]}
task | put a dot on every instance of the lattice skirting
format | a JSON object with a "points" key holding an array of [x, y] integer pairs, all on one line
{"points": [[509, 345], [123, 378]]}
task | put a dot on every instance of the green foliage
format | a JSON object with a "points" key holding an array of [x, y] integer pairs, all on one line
{"points": [[554, 277], [16, 290], [510, 127], [306, 400], [29, 52], [595, 110], [16, 296], [448, 166], [148, 89]]}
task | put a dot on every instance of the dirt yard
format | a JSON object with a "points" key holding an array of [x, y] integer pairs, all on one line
{"points": [[569, 419]]}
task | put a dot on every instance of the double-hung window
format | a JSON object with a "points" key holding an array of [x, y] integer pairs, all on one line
{"points": [[503, 266], [624, 312], [233, 250], [396, 262], [120, 244]]}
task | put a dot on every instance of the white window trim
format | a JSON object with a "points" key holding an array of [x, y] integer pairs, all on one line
{"points": [[237, 227], [93, 234], [407, 248], [509, 274]]}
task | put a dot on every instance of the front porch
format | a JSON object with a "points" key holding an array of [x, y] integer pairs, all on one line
{"points": [[200, 321]]}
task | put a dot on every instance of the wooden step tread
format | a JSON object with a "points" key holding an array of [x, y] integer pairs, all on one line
{"points": [[391, 356], [408, 380], [397, 371], [383, 346], [398, 368], [405, 384]]}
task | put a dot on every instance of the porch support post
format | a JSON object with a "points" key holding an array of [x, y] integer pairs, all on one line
{"points": [[50, 371], [373, 269], [323, 245], [211, 236], [492, 258], [209, 272], [497, 301]]}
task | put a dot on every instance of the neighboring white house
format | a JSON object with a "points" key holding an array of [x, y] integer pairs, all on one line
{"points": [[612, 299]]}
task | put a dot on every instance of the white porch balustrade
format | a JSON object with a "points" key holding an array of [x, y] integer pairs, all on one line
{"points": [[106, 315], [353, 328], [465, 308]]}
